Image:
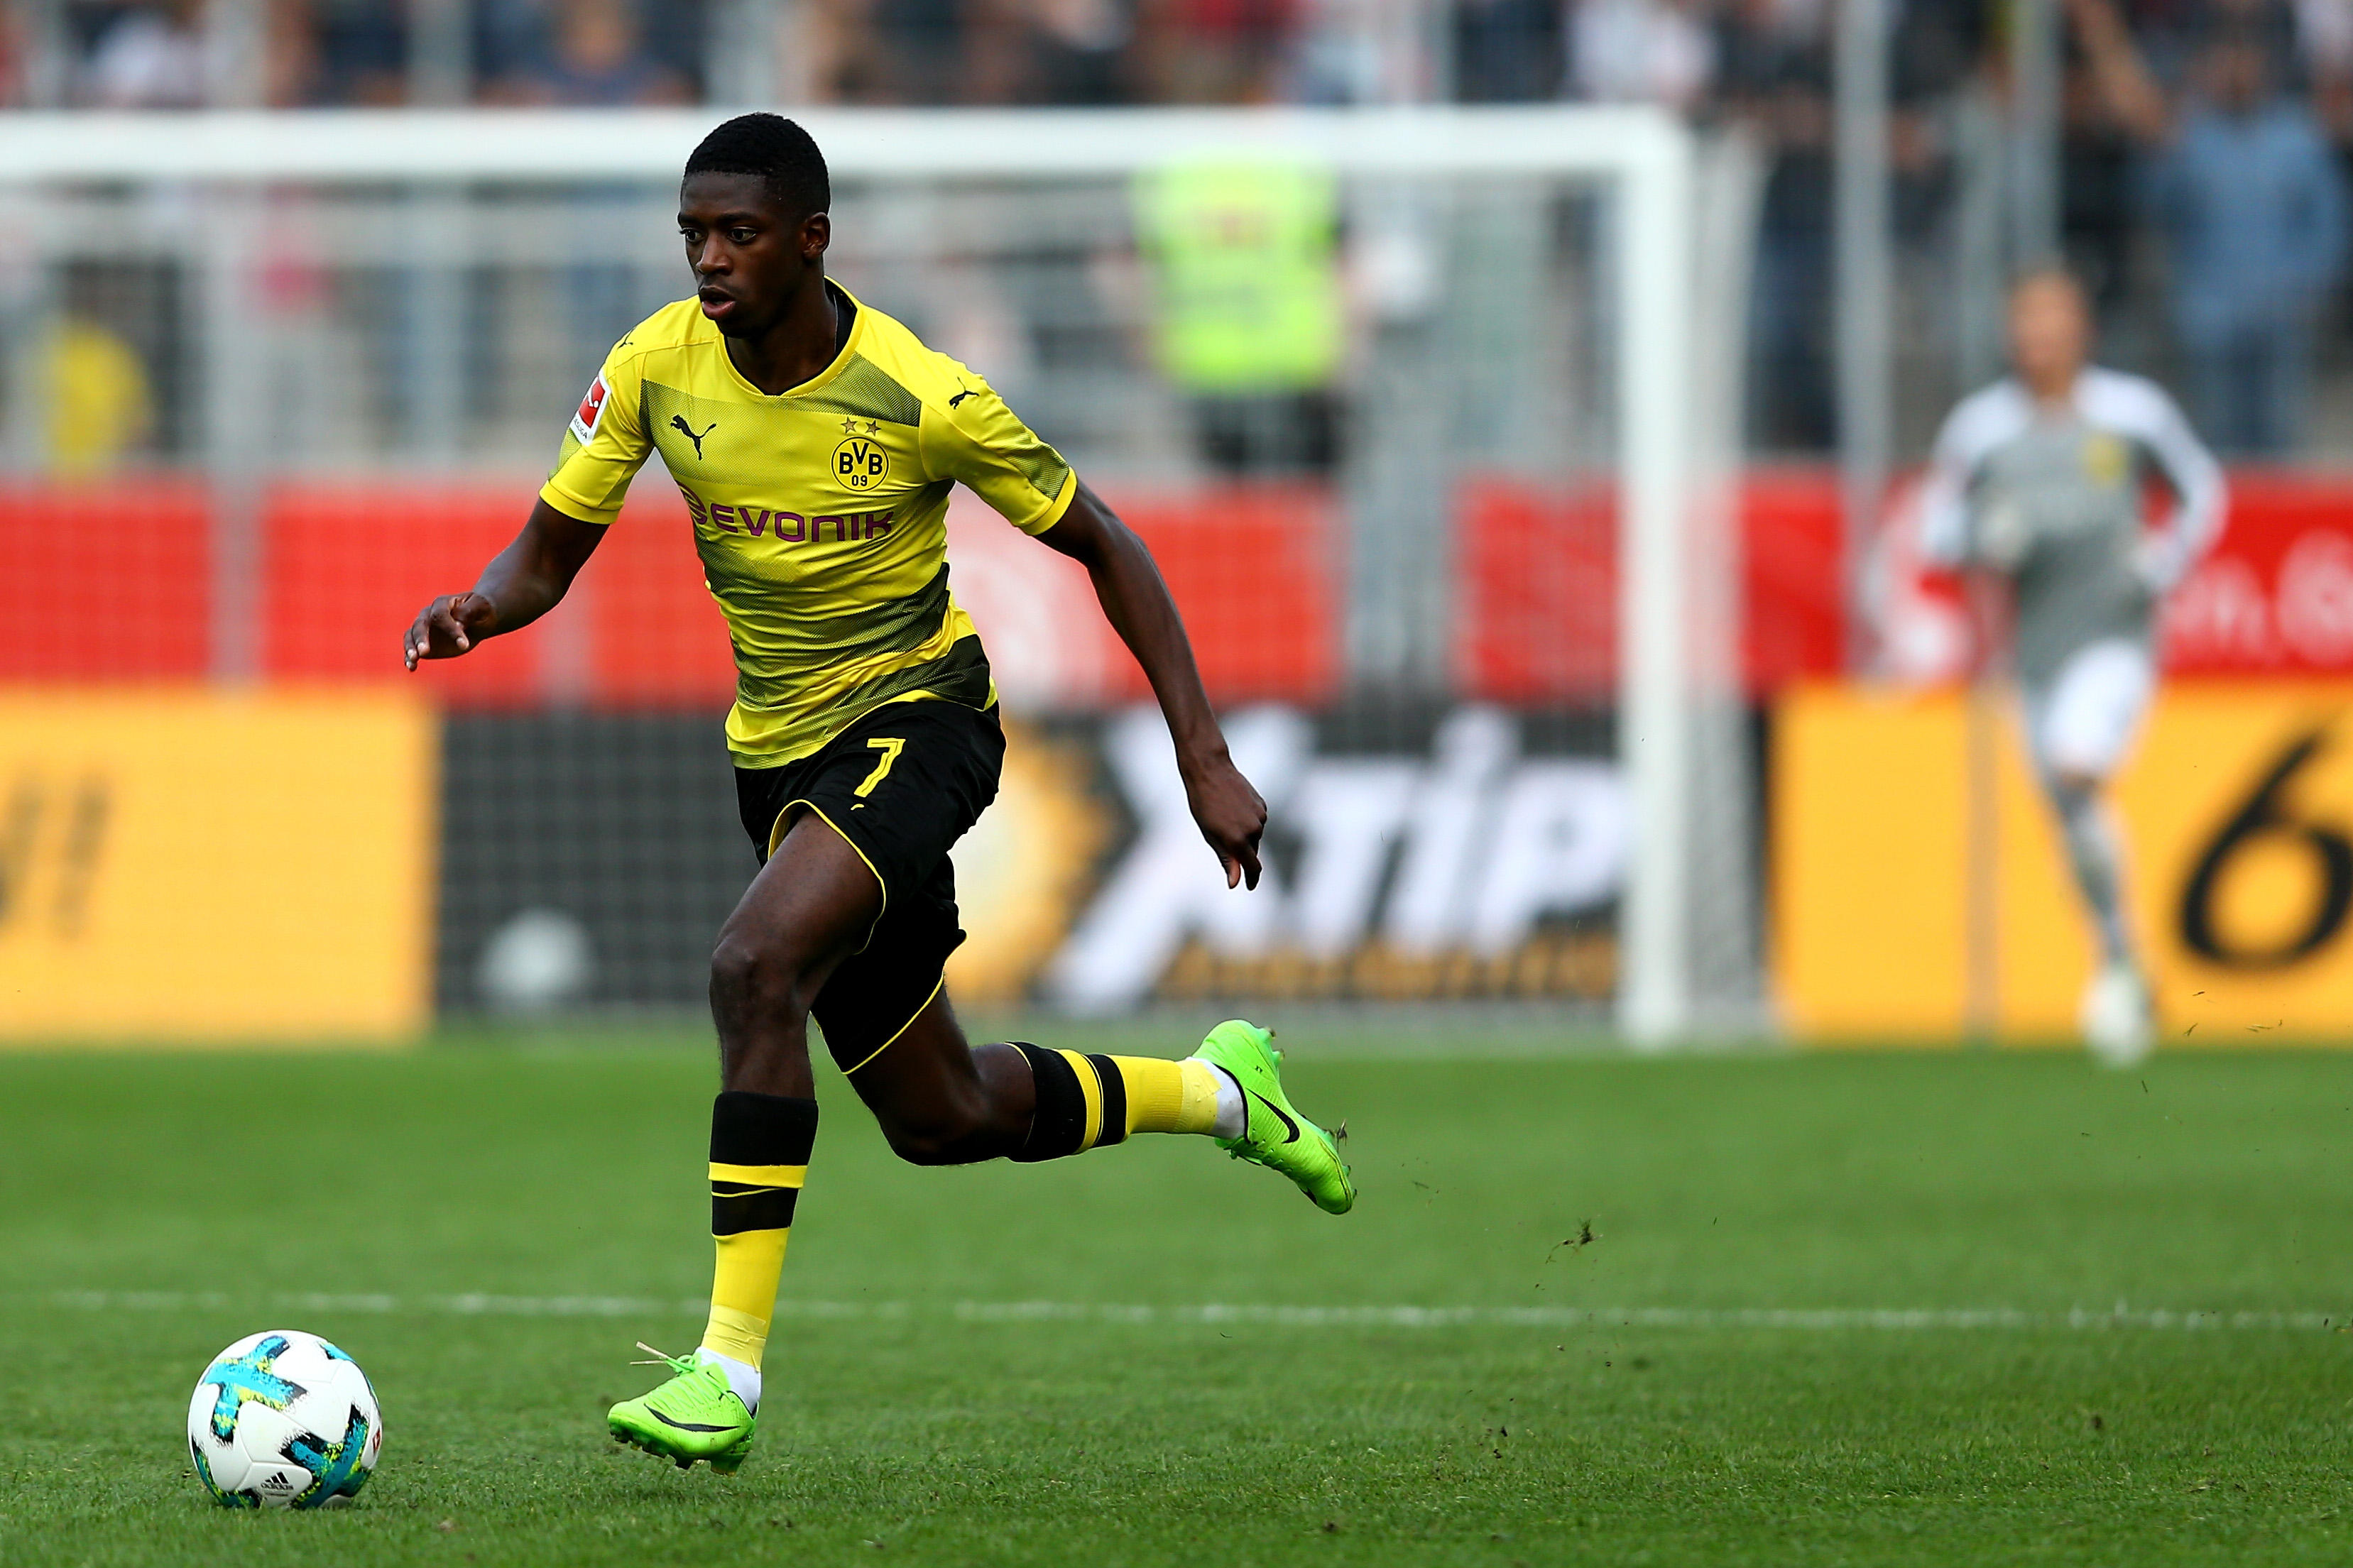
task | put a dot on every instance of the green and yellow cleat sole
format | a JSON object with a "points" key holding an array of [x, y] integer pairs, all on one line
{"points": [[725, 1462], [1276, 1135], [693, 1416]]}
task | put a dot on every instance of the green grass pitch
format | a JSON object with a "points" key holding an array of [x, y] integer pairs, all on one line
{"points": [[958, 1379]]}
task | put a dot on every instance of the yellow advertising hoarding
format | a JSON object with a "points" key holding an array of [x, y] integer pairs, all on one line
{"points": [[180, 863], [2237, 812]]}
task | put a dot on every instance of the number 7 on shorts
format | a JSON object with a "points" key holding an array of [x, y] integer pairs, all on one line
{"points": [[889, 746]]}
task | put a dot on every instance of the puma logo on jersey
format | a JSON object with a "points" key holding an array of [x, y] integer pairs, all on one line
{"points": [[678, 423], [959, 397]]}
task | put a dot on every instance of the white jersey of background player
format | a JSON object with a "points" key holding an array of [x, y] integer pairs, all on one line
{"points": [[2038, 485]]}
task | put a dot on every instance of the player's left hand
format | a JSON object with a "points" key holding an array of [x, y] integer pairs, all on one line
{"points": [[2157, 564], [1231, 815]]}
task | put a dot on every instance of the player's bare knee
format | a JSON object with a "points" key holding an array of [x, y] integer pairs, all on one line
{"points": [[752, 977]]}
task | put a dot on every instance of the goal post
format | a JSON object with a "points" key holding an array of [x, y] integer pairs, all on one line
{"points": [[1671, 304]]}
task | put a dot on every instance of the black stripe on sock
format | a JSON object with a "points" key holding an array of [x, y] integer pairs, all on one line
{"points": [[1114, 1102], [737, 1208], [749, 1129], [1060, 1122]]}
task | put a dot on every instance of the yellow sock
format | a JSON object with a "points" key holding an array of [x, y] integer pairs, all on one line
{"points": [[760, 1146], [1092, 1101], [744, 1293], [1170, 1097]]}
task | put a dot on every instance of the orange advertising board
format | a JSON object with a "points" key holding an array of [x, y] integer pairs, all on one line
{"points": [[178, 864], [1899, 910]]}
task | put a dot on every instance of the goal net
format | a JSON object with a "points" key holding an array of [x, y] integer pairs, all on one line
{"points": [[1427, 414]]}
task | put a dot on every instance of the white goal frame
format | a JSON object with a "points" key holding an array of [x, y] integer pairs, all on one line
{"points": [[1645, 155]]}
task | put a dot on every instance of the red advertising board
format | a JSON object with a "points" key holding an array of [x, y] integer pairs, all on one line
{"points": [[115, 581], [105, 582]]}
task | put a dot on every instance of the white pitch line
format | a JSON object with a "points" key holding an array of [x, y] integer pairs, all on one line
{"points": [[1822, 1319]]}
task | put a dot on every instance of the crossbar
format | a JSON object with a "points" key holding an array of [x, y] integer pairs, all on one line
{"points": [[420, 144]]}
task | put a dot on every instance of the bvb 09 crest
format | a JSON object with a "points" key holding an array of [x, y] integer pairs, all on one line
{"points": [[860, 462]]}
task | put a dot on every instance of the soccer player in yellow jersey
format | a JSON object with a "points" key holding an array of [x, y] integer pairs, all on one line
{"points": [[816, 441]]}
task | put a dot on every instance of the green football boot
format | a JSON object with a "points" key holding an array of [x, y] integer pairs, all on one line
{"points": [[695, 1416], [1277, 1136]]}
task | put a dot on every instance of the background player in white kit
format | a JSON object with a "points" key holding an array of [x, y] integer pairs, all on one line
{"points": [[2037, 488]]}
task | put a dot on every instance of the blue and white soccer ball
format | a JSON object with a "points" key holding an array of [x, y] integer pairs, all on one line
{"points": [[283, 1419]]}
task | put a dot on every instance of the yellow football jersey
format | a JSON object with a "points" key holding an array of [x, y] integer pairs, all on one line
{"points": [[820, 513]]}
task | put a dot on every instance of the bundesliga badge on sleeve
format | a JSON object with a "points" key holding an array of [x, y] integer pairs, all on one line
{"points": [[592, 409]]}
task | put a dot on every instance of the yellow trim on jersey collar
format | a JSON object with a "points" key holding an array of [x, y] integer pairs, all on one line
{"points": [[841, 360]]}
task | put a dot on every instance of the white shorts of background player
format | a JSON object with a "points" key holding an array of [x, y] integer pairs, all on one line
{"points": [[2084, 723]]}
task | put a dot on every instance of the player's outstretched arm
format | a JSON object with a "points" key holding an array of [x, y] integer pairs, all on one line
{"points": [[1135, 599], [522, 582]]}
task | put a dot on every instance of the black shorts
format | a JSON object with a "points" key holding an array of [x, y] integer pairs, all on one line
{"points": [[901, 784]]}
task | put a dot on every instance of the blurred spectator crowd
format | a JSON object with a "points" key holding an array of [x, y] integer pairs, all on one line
{"points": [[2201, 171], [1764, 59]]}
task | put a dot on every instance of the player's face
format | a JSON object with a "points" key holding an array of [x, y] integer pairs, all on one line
{"points": [[750, 257], [2049, 332]]}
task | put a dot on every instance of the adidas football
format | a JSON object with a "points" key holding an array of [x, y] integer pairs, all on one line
{"points": [[283, 1419]]}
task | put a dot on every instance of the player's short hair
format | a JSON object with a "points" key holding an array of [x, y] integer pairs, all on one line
{"points": [[2057, 272], [776, 150]]}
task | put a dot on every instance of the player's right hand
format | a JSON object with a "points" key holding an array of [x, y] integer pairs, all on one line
{"points": [[448, 627]]}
